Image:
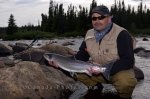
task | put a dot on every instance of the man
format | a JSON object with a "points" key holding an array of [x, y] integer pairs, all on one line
{"points": [[105, 43], [111, 45]]}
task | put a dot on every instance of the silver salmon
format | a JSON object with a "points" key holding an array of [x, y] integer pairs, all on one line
{"points": [[76, 66]]}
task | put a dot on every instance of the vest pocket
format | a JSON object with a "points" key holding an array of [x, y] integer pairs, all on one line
{"points": [[109, 55], [108, 51]]}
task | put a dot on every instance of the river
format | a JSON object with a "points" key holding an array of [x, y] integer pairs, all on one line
{"points": [[142, 90]]}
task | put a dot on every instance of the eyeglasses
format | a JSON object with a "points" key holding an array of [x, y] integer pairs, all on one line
{"points": [[99, 18]]}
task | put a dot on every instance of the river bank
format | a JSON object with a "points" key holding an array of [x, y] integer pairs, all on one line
{"points": [[142, 89]]}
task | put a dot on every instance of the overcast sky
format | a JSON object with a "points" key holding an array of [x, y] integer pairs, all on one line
{"points": [[29, 11]]}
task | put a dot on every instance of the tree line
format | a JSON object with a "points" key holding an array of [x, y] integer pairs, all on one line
{"points": [[80, 20], [77, 20]]}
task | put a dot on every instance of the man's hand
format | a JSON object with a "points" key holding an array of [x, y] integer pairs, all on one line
{"points": [[94, 70]]}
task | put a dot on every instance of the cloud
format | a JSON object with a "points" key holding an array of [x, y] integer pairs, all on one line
{"points": [[25, 1], [30, 3], [141, 0], [24, 11], [29, 11], [5, 5], [3, 1]]}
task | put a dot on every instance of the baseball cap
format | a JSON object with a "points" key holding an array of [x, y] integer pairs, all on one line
{"points": [[102, 10]]}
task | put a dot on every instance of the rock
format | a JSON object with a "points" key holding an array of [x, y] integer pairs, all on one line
{"points": [[2, 65], [21, 44], [144, 53], [72, 41], [97, 95], [145, 39], [39, 44], [19, 47], [6, 62], [5, 50], [29, 80], [139, 49], [67, 43], [53, 48], [32, 54], [51, 41], [36, 55], [139, 75]]}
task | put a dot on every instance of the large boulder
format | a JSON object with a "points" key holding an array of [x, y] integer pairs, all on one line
{"points": [[59, 49], [19, 47], [6, 62], [32, 54], [29, 80], [36, 54]]}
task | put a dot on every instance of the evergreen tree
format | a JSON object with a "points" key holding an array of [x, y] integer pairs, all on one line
{"points": [[71, 19], [93, 5], [61, 20], [51, 16], [55, 19], [140, 16], [80, 20], [44, 23], [12, 27]]}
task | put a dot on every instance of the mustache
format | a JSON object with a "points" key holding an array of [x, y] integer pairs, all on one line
{"points": [[97, 23]]}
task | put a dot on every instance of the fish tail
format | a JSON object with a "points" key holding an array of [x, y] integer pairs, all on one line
{"points": [[106, 76], [106, 73]]}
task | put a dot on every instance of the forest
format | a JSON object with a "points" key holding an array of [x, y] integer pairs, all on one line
{"points": [[77, 20]]}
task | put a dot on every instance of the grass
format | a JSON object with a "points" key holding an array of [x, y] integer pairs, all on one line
{"points": [[30, 35]]}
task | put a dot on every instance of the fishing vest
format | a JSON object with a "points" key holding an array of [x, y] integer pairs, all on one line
{"points": [[105, 51]]}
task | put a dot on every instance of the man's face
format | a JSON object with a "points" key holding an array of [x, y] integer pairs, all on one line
{"points": [[99, 22]]}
